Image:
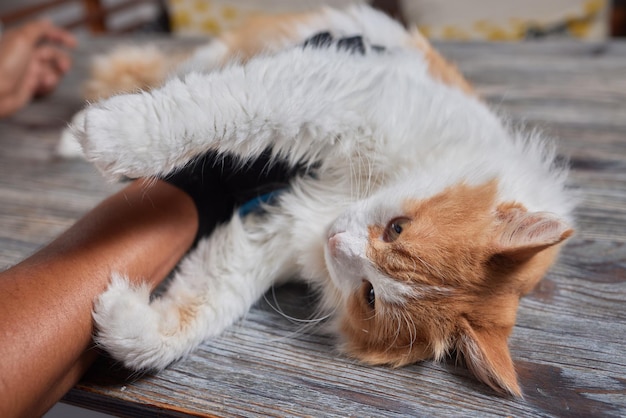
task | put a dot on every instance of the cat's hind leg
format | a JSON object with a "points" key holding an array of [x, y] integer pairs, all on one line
{"points": [[215, 285], [124, 69], [303, 103]]}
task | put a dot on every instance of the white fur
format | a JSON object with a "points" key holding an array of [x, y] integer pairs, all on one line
{"points": [[68, 146], [382, 131]]}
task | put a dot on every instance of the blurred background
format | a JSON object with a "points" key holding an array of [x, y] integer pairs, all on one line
{"points": [[441, 20], [459, 20]]}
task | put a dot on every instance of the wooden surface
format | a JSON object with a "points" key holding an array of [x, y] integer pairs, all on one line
{"points": [[569, 343]]}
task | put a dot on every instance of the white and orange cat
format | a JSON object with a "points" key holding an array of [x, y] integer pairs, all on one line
{"points": [[425, 220]]}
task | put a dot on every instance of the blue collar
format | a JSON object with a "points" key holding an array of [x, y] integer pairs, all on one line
{"points": [[256, 205]]}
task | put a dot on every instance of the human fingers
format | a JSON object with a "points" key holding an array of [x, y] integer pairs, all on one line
{"points": [[53, 64], [55, 57], [44, 30], [33, 32], [16, 50], [48, 80], [61, 36], [22, 91]]}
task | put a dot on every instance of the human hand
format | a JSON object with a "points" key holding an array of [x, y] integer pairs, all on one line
{"points": [[32, 61]]}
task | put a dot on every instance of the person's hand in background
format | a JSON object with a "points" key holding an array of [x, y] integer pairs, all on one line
{"points": [[33, 59]]}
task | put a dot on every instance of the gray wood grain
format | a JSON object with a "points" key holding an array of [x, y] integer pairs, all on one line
{"points": [[568, 344]]}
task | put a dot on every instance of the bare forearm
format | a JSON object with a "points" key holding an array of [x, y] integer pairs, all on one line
{"points": [[46, 301], [53, 394]]}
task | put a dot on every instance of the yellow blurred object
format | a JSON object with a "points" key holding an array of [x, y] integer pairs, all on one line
{"points": [[460, 20], [509, 20], [196, 17]]}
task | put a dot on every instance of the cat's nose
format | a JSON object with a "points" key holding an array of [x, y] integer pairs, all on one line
{"points": [[334, 242], [346, 247]]}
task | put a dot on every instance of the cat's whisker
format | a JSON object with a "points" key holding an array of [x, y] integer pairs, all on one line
{"points": [[397, 331], [304, 325], [354, 189], [371, 317], [398, 315], [370, 180], [276, 308], [443, 187], [410, 323], [429, 267]]}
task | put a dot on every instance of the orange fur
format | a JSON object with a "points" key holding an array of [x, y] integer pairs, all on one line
{"points": [[129, 69], [444, 241], [438, 66], [467, 282], [468, 257], [262, 33]]}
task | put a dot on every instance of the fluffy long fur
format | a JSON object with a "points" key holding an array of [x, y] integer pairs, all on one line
{"points": [[427, 217]]}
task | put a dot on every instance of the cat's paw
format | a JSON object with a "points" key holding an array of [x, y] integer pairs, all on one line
{"points": [[128, 328], [68, 146], [120, 136]]}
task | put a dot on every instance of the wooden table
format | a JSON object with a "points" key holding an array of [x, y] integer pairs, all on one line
{"points": [[569, 343]]}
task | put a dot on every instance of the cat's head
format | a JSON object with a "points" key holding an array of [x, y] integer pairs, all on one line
{"points": [[419, 279]]}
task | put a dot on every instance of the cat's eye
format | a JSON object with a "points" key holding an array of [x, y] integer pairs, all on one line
{"points": [[370, 295], [394, 228]]}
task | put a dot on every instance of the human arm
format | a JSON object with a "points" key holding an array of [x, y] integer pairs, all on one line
{"points": [[32, 61], [46, 301]]}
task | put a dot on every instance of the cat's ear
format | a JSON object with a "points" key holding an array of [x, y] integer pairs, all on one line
{"points": [[487, 356], [523, 234]]}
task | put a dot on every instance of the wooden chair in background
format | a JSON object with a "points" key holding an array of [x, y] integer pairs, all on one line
{"points": [[94, 15]]}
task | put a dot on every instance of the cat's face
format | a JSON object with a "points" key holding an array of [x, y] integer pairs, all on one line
{"points": [[419, 278]]}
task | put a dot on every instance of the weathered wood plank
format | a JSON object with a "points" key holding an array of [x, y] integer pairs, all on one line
{"points": [[569, 340]]}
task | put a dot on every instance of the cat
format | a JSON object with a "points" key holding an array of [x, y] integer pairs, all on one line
{"points": [[424, 217]]}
